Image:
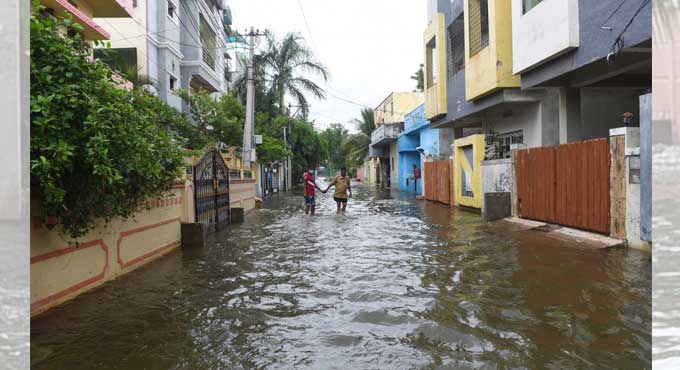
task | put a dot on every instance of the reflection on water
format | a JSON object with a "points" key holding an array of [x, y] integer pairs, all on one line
{"points": [[393, 284], [14, 321], [666, 234]]}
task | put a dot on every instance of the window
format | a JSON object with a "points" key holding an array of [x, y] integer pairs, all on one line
{"points": [[171, 9], [118, 58], [173, 83], [479, 25], [208, 43], [529, 4], [456, 50], [431, 63]]}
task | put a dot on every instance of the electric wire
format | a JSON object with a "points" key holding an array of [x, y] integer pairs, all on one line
{"points": [[618, 44]]}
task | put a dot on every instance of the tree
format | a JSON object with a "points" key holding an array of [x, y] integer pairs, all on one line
{"points": [[284, 61], [277, 72], [335, 136], [98, 151], [357, 144], [221, 119], [307, 146], [419, 77]]}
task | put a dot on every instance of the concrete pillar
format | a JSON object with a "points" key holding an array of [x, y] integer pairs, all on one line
{"points": [[549, 114], [646, 167], [194, 234], [569, 115]]}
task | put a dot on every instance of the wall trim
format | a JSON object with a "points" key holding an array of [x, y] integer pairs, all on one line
{"points": [[126, 233], [37, 305]]}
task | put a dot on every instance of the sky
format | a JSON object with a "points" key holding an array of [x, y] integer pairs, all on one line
{"points": [[370, 47]]}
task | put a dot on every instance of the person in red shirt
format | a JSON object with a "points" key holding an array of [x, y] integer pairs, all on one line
{"points": [[416, 177], [310, 185]]}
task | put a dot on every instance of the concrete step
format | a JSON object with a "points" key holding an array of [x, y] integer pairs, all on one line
{"points": [[584, 239]]}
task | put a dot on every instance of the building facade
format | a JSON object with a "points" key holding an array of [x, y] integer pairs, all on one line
{"points": [[535, 73], [177, 44], [470, 83], [416, 143], [383, 156], [540, 73]]}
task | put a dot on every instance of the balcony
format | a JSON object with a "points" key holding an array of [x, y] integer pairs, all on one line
{"points": [[488, 60], [434, 39], [385, 134], [91, 30]]}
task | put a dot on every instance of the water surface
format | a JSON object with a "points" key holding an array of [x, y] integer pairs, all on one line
{"points": [[393, 284]]}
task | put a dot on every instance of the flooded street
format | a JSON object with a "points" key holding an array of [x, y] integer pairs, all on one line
{"points": [[393, 284], [666, 195]]}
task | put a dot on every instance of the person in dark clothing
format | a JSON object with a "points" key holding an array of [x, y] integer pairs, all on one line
{"points": [[416, 177]]}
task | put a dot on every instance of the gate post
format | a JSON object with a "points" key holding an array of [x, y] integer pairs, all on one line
{"points": [[617, 189], [215, 153]]}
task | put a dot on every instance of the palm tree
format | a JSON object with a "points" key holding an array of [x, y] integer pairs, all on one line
{"points": [[284, 61], [357, 144]]}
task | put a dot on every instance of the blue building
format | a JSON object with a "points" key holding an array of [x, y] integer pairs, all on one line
{"points": [[417, 141]]}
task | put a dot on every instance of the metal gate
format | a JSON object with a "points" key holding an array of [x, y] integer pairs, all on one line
{"points": [[211, 191], [566, 185]]}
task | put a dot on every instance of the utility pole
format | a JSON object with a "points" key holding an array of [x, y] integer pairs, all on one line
{"points": [[248, 130], [289, 164]]}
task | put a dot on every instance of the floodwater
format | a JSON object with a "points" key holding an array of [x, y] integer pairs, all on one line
{"points": [[666, 237], [14, 297], [393, 284]]}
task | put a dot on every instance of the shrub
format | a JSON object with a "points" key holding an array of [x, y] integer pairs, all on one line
{"points": [[97, 151]]}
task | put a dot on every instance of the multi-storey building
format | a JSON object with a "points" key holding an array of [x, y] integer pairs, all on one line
{"points": [[176, 44], [535, 73], [383, 157]]}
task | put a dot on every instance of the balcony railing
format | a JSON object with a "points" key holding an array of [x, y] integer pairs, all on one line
{"points": [[208, 58], [385, 133]]}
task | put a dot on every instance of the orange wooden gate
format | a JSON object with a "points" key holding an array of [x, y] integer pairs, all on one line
{"points": [[566, 185], [437, 181]]}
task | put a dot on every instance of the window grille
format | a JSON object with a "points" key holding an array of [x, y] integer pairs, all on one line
{"points": [[456, 50], [479, 25]]}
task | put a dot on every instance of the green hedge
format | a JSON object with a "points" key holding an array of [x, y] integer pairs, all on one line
{"points": [[98, 151]]}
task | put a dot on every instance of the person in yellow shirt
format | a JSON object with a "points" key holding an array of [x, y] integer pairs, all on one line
{"points": [[342, 187]]}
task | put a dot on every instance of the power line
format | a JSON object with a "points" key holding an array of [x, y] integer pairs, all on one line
{"points": [[611, 15], [618, 42], [309, 30]]}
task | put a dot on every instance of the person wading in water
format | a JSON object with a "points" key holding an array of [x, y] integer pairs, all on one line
{"points": [[310, 185], [342, 187]]}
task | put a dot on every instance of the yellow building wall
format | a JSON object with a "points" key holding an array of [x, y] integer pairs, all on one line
{"points": [[491, 68], [435, 95], [473, 170], [62, 268], [395, 107], [125, 33]]}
